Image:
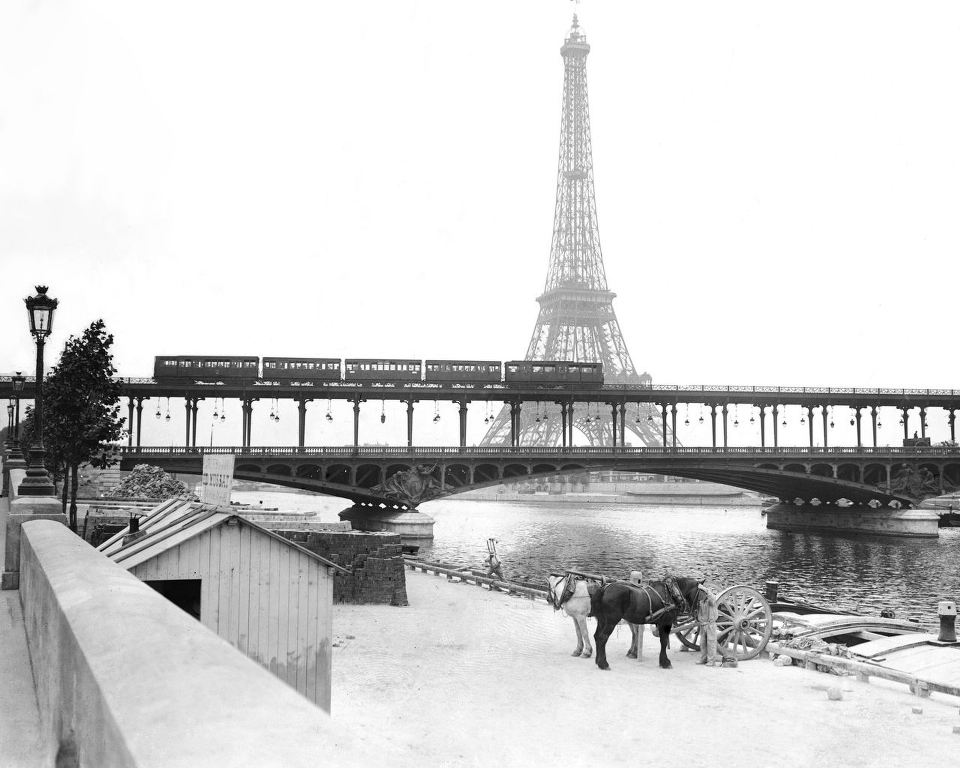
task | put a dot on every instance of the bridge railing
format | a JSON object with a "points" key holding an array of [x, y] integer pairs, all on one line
{"points": [[529, 451]]}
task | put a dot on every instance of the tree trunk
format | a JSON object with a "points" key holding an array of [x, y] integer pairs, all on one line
{"points": [[63, 495], [74, 486]]}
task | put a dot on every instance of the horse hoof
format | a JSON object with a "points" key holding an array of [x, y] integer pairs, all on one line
{"points": [[587, 654], [575, 653], [668, 665], [631, 655]]}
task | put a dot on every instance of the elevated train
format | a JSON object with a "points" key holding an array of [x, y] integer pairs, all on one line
{"points": [[317, 371]]}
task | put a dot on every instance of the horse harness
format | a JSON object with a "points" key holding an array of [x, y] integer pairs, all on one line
{"points": [[672, 599]]}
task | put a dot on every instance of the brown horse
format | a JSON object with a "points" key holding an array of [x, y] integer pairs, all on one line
{"points": [[658, 603]]}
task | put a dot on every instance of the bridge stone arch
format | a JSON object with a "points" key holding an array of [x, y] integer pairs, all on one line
{"points": [[456, 475], [367, 476], [822, 470], [486, 473], [310, 472], [514, 470], [951, 474], [801, 468], [284, 470], [544, 469], [875, 474], [339, 473], [849, 472], [249, 469]]}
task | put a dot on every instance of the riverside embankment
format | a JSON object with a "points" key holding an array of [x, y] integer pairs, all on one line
{"points": [[467, 677]]}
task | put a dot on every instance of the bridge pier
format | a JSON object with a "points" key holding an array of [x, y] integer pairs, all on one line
{"points": [[776, 408], [914, 523], [952, 421], [414, 528]]}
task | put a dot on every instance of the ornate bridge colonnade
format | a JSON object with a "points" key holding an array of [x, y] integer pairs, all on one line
{"points": [[767, 405]]}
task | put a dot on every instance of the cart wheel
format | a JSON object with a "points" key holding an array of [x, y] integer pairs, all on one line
{"points": [[745, 622], [687, 631]]}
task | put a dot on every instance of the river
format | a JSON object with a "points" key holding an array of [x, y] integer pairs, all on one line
{"points": [[726, 546]]}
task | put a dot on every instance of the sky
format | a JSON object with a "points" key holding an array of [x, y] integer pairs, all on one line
{"points": [[776, 183]]}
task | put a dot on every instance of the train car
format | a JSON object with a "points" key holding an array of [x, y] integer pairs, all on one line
{"points": [[301, 369], [552, 372], [189, 368], [383, 371], [463, 371]]}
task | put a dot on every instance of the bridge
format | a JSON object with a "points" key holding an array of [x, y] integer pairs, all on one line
{"points": [[402, 478], [720, 401]]}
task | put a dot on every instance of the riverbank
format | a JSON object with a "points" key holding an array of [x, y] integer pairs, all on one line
{"points": [[467, 677]]}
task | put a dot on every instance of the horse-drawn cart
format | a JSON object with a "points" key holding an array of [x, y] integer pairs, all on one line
{"points": [[744, 625]]}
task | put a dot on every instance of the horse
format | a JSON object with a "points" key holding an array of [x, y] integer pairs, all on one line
{"points": [[577, 607], [658, 603]]}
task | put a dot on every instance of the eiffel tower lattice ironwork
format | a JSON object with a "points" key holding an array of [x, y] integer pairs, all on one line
{"points": [[577, 321]]}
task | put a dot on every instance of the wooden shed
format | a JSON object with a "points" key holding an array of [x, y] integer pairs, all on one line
{"points": [[263, 594]]}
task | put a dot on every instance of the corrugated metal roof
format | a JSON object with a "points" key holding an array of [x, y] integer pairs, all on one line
{"points": [[178, 520]]}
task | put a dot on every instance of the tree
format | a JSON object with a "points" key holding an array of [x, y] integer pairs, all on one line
{"points": [[81, 407]]}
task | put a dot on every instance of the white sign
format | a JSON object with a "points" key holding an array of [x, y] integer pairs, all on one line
{"points": [[217, 479]]}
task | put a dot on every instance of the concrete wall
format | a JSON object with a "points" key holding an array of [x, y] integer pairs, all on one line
{"points": [[125, 678]]}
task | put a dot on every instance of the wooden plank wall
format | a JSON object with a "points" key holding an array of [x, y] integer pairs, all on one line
{"points": [[268, 599]]}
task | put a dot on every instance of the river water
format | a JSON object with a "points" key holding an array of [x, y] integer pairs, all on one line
{"points": [[725, 545]]}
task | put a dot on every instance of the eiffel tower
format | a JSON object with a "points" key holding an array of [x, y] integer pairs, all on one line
{"points": [[577, 321]]}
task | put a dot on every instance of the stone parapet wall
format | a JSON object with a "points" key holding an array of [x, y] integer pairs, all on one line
{"points": [[126, 678], [374, 559]]}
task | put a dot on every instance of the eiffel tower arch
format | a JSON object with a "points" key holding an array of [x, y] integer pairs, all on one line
{"points": [[577, 321]]}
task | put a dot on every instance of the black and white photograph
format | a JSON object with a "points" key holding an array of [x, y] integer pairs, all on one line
{"points": [[479, 385]]}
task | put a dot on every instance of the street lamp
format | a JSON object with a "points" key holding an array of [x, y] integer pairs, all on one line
{"points": [[40, 309]]}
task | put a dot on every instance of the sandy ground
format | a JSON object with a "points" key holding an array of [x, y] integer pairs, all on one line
{"points": [[467, 677]]}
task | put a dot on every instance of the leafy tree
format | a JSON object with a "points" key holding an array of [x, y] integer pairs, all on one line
{"points": [[53, 460], [81, 407]]}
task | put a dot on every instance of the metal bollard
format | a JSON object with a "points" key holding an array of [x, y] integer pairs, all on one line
{"points": [[771, 588], [947, 610]]}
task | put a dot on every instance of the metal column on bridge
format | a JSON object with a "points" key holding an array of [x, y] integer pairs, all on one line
{"points": [[923, 422], [356, 420], [515, 409], [673, 424], [302, 420], [724, 411], [906, 421], [776, 416], [623, 419], [463, 423], [763, 426], [247, 419], [563, 423], [952, 419], [810, 423], [713, 423], [410, 403], [129, 422], [873, 418], [857, 410], [824, 409], [663, 414], [193, 420], [139, 418]]}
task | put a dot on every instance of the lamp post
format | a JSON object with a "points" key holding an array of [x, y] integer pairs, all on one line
{"points": [[40, 309], [15, 453]]}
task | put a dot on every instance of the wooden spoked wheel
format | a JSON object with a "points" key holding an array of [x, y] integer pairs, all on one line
{"points": [[687, 631], [745, 622]]}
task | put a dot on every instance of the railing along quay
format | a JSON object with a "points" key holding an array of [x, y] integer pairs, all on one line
{"points": [[373, 452], [469, 577]]}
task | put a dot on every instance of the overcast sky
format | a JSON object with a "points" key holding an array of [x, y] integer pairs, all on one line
{"points": [[777, 184]]}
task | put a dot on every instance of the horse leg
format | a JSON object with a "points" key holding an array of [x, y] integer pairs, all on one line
{"points": [[664, 643], [636, 642], [604, 630], [584, 633], [576, 626]]}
